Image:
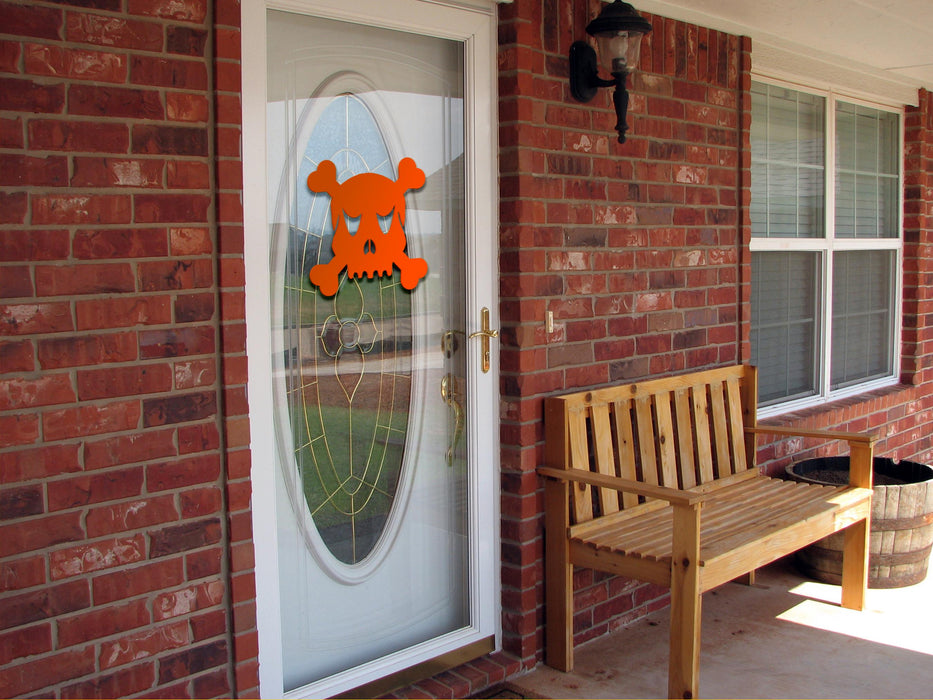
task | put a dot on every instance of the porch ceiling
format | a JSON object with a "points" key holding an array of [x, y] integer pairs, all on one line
{"points": [[888, 40]]}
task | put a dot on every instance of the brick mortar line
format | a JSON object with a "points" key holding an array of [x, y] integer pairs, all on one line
{"points": [[146, 492]]}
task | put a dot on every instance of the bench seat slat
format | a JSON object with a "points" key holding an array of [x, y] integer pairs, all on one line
{"points": [[729, 558], [631, 530], [832, 506], [776, 507], [642, 569], [649, 536], [653, 542], [763, 499], [582, 531], [755, 501], [609, 528]]}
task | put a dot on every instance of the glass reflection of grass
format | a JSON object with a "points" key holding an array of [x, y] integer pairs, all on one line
{"points": [[350, 468], [349, 428]]}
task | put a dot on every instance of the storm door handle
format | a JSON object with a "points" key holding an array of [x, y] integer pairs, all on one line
{"points": [[484, 334], [451, 396]]}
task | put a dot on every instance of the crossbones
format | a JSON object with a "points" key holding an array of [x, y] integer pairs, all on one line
{"points": [[368, 251]]}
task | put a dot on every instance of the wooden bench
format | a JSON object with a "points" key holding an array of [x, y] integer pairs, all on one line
{"points": [[657, 481]]}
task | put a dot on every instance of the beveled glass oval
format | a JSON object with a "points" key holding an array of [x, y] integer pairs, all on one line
{"points": [[351, 368]]}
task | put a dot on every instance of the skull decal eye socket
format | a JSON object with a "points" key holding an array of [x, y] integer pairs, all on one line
{"points": [[385, 222], [382, 244]]}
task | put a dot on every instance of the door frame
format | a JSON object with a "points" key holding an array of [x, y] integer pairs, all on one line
{"points": [[474, 23]]}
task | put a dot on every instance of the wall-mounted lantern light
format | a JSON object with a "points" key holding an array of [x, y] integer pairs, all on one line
{"points": [[618, 31]]}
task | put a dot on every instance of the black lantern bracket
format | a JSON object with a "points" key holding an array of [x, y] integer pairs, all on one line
{"points": [[618, 31], [584, 72]]}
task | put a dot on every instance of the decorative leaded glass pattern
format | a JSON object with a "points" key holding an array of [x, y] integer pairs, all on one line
{"points": [[350, 366]]}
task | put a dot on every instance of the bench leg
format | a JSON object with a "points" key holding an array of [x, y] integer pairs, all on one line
{"points": [[855, 565], [558, 578], [683, 676], [855, 544]]}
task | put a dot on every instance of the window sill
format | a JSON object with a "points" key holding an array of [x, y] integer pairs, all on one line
{"points": [[803, 405], [853, 412]]}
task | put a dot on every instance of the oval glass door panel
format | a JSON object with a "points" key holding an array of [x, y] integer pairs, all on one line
{"points": [[369, 372], [350, 369]]}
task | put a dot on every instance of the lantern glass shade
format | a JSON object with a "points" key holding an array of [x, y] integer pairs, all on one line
{"points": [[619, 50]]}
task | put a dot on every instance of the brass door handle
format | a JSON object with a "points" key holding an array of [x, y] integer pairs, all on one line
{"points": [[449, 342], [451, 396], [484, 334]]}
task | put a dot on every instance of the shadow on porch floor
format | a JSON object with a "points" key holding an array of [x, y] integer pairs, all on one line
{"points": [[786, 637]]}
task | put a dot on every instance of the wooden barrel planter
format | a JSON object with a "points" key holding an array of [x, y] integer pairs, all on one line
{"points": [[901, 522]]}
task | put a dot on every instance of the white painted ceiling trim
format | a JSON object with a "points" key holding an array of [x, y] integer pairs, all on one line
{"points": [[875, 49], [829, 72]]}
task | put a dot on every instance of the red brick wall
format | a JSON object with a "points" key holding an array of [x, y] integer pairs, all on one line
{"points": [[641, 252], [636, 248], [918, 228], [125, 550]]}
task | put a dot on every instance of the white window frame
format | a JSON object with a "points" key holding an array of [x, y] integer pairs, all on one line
{"points": [[827, 246]]}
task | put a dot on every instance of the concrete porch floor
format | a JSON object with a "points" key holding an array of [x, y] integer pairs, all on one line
{"points": [[786, 637]]}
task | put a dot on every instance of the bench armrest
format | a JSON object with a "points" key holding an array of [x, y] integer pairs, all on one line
{"points": [[861, 448], [864, 438], [675, 497]]}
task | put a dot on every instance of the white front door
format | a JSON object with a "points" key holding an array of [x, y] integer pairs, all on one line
{"points": [[370, 244]]}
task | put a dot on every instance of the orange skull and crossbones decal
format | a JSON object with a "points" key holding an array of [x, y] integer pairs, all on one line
{"points": [[369, 250]]}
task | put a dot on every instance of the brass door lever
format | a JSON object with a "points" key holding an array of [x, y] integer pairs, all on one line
{"points": [[484, 334]]}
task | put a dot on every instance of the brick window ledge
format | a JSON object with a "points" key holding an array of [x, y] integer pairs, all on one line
{"points": [[893, 414], [851, 409]]}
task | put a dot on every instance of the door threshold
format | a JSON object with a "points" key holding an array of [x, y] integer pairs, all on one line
{"points": [[425, 669]]}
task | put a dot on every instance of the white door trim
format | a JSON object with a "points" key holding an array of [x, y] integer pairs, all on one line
{"points": [[474, 23]]}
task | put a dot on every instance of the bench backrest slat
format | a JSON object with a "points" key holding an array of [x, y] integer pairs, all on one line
{"points": [[738, 423], [678, 432], [646, 447], [701, 428], [625, 447], [605, 455], [720, 429], [685, 437], [665, 439], [580, 459]]}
